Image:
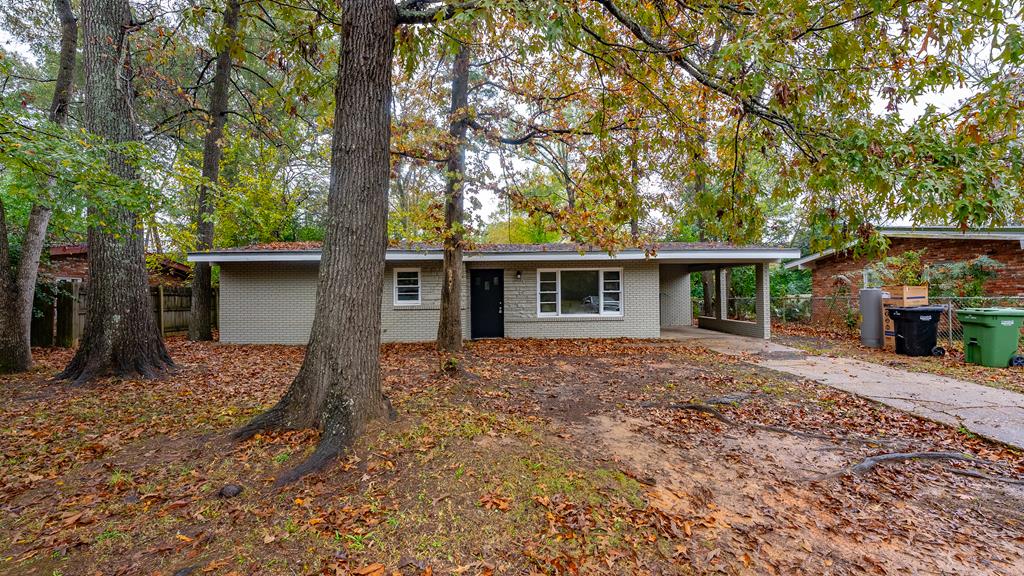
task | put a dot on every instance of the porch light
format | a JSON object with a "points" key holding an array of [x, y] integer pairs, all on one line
{"points": [[519, 274]]}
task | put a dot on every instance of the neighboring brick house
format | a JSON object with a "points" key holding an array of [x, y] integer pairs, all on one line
{"points": [[940, 244], [268, 293], [71, 262]]}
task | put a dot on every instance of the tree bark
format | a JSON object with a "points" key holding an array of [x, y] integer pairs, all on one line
{"points": [[707, 282], [17, 292], [200, 324], [338, 386], [121, 334], [449, 328]]}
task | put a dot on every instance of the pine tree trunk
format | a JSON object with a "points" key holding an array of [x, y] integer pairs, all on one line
{"points": [[121, 334], [338, 386], [17, 293], [449, 326], [200, 324]]}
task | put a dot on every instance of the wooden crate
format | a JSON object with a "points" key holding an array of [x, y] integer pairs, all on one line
{"points": [[905, 295]]}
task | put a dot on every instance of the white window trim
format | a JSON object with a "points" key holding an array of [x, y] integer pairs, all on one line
{"points": [[419, 287], [600, 293]]}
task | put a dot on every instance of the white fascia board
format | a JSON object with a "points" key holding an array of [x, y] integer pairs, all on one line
{"points": [[725, 256], [802, 262], [752, 256], [939, 235], [954, 235]]}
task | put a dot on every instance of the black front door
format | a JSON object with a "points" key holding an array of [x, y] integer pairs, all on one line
{"points": [[487, 303]]}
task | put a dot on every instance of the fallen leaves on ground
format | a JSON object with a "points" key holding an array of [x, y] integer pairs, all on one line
{"points": [[535, 457]]}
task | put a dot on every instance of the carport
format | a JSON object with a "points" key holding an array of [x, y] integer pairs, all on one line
{"points": [[676, 302]]}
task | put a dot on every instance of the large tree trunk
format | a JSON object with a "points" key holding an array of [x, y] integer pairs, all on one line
{"points": [[200, 325], [449, 327], [17, 292], [338, 386], [121, 335]]}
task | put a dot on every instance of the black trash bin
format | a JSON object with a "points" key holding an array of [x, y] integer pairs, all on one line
{"points": [[916, 329]]}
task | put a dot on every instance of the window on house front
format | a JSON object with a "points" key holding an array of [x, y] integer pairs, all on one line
{"points": [[579, 292], [407, 286]]}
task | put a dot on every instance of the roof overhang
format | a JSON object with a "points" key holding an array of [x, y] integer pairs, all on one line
{"points": [[1009, 235], [803, 262], [723, 256]]}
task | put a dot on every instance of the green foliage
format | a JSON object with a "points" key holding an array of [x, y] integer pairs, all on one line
{"points": [[520, 229], [449, 364], [68, 170], [261, 200], [904, 269], [521, 223], [789, 282], [962, 279], [965, 278]]}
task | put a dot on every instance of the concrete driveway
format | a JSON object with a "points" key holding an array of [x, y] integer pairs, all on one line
{"points": [[990, 412]]}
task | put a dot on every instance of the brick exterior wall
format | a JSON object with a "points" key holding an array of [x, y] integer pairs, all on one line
{"points": [[676, 300], [272, 303], [417, 323], [76, 267], [267, 302], [1008, 282], [640, 308]]}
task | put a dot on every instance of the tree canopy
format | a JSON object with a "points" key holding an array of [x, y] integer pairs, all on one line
{"points": [[650, 114]]}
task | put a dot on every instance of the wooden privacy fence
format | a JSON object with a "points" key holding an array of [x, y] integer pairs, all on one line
{"points": [[59, 321]]}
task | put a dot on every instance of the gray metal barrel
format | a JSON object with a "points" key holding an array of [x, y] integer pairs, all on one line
{"points": [[871, 317]]}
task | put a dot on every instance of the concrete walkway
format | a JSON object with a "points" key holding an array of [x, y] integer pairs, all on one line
{"points": [[990, 412]]}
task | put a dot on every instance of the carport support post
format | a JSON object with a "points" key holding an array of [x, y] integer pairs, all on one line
{"points": [[721, 294], [762, 301]]}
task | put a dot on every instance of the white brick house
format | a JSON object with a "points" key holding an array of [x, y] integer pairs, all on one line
{"points": [[267, 294]]}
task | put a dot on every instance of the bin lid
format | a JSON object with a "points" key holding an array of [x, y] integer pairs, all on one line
{"points": [[922, 309], [992, 311]]}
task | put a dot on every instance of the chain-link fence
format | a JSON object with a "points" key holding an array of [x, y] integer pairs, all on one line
{"points": [[842, 310], [785, 309]]}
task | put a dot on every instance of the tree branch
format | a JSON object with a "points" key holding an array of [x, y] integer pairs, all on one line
{"points": [[413, 12]]}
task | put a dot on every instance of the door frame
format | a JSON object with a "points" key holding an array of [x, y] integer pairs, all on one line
{"points": [[501, 302]]}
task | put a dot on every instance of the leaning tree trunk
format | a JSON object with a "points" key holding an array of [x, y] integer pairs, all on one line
{"points": [[449, 328], [17, 292], [121, 335], [338, 386], [200, 324]]}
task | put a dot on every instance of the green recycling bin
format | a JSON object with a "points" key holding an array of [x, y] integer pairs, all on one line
{"points": [[991, 336]]}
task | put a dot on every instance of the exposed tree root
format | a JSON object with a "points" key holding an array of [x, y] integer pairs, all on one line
{"points": [[269, 420], [864, 465], [870, 462], [983, 476], [326, 452]]}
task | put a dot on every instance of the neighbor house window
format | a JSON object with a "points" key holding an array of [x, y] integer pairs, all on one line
{"points": [[407, 286], [579, 292]]}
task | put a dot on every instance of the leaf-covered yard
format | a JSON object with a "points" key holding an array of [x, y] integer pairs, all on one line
{"points": [[528, 457]]}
